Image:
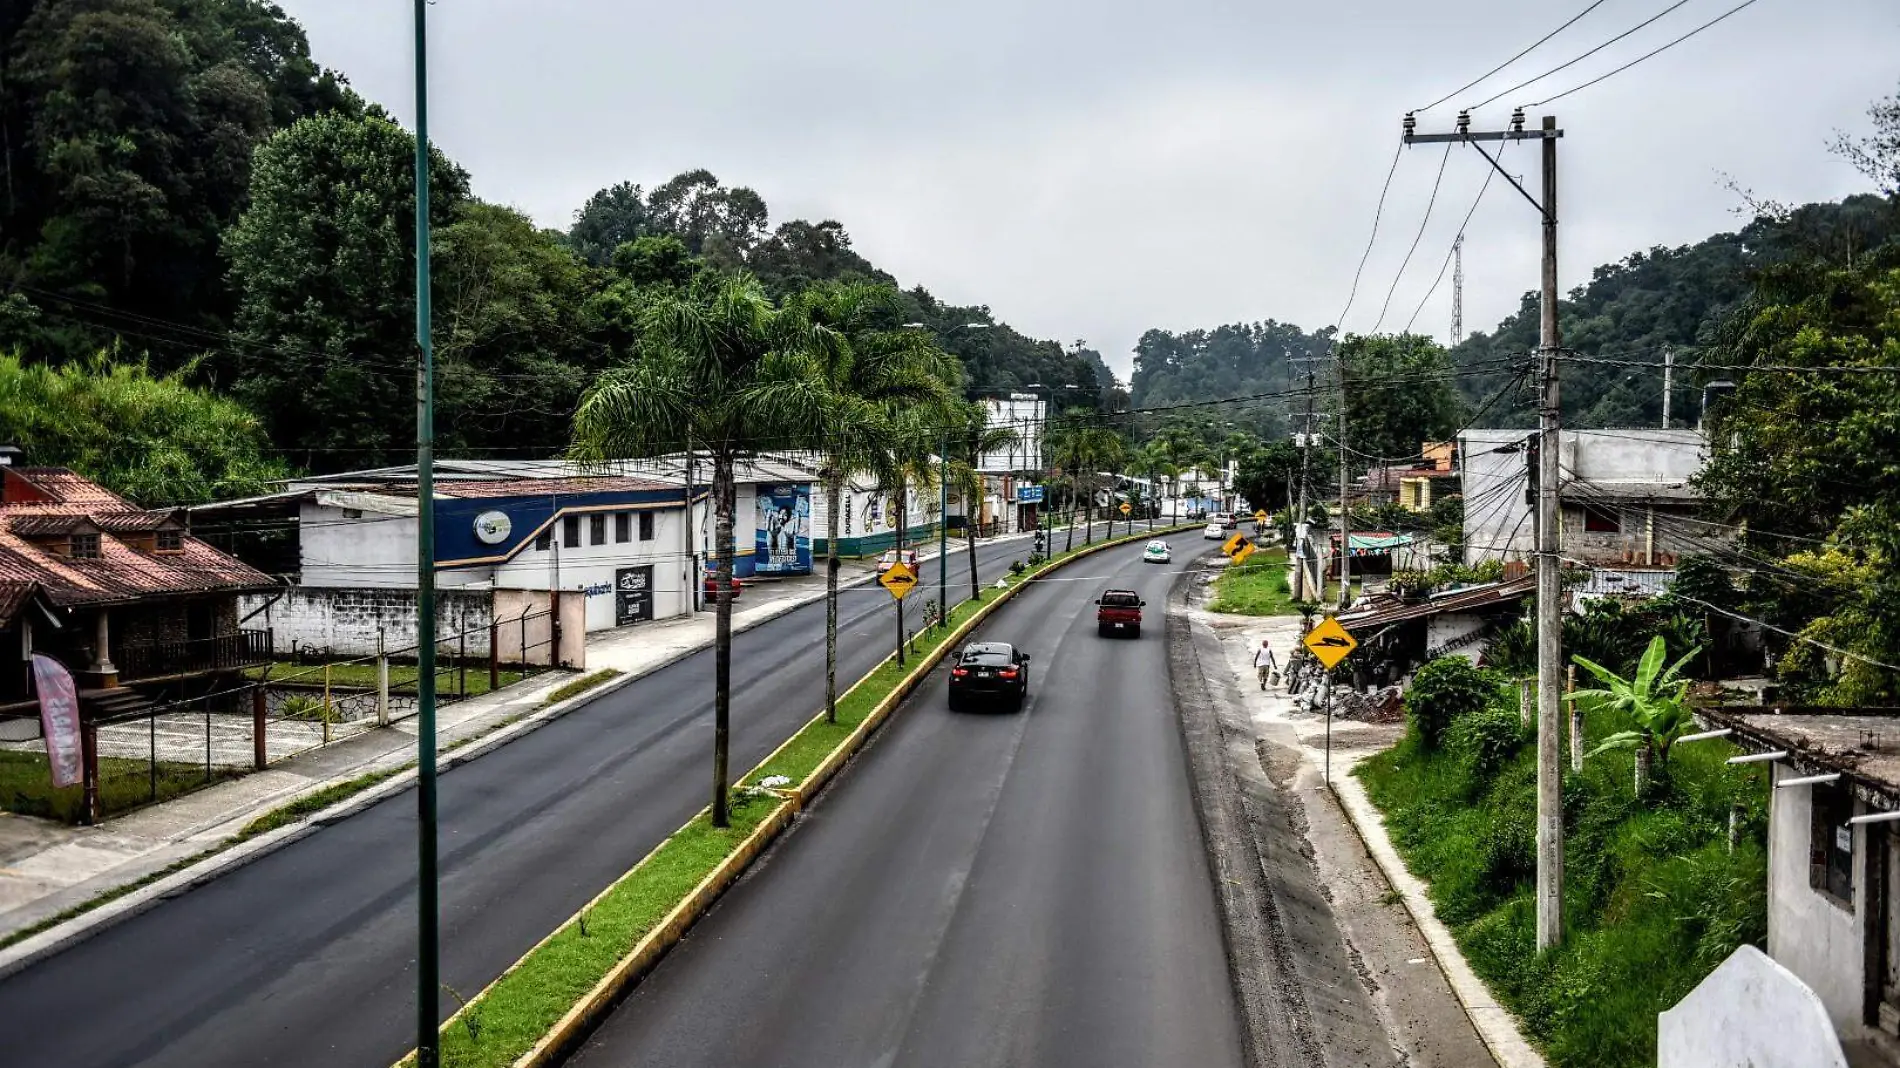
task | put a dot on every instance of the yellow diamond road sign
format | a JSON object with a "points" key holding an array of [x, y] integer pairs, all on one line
{"points": [[898, 580], [1233, 544], [1246, 550], [1330, 642], [1127, 508], [1260, 516]]}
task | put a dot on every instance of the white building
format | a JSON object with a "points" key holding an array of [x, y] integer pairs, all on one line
{"points": [[1627, 496], [1025, 413]]}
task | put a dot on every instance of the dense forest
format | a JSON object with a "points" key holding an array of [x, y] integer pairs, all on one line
{"points": [[194, 205]]}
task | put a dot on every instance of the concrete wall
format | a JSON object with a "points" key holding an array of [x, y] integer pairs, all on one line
{"points": [[1640, 538], [590, 569], [1749, 1013], [1809, 933], [1454, 628], [345, 622]]}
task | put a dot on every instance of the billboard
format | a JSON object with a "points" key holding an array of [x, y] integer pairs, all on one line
{"points": [[784, 530]]}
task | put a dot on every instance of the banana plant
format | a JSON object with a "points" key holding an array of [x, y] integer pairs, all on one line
{"points": [[1653, 700]]}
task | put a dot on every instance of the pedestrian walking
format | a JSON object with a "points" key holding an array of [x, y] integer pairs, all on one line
{"points": [[1264, 665]]}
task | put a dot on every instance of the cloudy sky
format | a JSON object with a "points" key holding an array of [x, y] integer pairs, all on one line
{"points": [[1093, 170]]}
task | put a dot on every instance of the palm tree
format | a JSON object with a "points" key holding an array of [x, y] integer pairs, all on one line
{"points": [[1082, 450], [718, 366], [973, 438], [872, 372], [905, 460]]}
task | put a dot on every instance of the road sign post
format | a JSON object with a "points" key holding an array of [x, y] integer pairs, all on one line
{"points": [[1329, 643], [899, 580]]}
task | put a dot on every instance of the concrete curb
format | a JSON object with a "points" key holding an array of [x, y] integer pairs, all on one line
{"points": [[1497, 1028], [578, 1021]]}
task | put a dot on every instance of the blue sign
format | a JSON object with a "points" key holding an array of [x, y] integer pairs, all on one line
{"points": [[1028, 494], [784, 530]]}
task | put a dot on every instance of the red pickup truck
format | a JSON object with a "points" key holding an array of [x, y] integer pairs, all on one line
{"points": [[1118, 612]]}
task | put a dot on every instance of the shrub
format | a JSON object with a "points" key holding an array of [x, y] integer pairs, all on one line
{"points": [[1486, 740], [1444, 690]]}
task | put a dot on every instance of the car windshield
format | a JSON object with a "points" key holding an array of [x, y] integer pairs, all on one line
{"points": [[987, 659], [1120, 599]]}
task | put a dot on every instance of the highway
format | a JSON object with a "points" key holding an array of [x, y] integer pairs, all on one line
{"points": [[306, 956], [979, 889]]}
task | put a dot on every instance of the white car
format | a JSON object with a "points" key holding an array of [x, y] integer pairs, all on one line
{"points": [[1157, 552], [890, 557], [1215, 532]]}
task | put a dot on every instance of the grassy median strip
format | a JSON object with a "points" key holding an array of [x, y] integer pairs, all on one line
{"points": [[500, 1024]]}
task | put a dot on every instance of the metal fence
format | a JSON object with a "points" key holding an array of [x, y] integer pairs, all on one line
{"points": [[141, 751]]}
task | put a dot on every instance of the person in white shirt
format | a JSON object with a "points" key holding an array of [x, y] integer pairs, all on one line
{"points": [[1263, 664]]}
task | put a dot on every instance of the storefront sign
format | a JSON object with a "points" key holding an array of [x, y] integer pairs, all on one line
{"points": [[633, 595]]}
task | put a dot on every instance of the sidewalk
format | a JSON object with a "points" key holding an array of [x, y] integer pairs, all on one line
{"points": [[47, 868], [1441, 1015]]}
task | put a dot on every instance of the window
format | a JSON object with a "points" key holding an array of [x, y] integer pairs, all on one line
{"points": [[1601, 521], [544, 540], [1831, 842], [623, 527], [171, 541], [597, 529], [85, 547], [646, 526], [571, 532]]}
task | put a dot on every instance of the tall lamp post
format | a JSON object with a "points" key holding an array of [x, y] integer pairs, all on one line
{"points": [[428, 979]]}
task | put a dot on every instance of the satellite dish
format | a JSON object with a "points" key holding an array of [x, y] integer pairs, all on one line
{"points": [[493, 528]]}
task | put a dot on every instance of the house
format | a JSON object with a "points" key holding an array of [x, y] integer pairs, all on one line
{"points": [[1398, 634], [1833, 860], [128, 600], [1627, 498]]}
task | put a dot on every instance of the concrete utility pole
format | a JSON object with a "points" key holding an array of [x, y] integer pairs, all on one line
{"points": [[1345, 516], [1669, 382], [1550, 823]]}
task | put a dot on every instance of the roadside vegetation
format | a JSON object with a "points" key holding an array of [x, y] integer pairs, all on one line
{"points": [[1656, 893], [26, 785], [402, 677]]}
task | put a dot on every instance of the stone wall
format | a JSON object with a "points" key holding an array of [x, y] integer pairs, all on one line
{"points": [[345, 622]]}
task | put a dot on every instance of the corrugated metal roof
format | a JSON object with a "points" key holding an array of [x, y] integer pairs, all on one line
{"points": [[120, 573], [1477, 597]]}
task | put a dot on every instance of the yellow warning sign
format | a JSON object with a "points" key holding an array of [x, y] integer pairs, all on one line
{"points": [[1330, 642], [898, 580], [1127, 508], [1233, 543], [1260, 517], [1246, 550]]}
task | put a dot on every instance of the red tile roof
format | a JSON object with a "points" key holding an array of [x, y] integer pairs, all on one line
{"points": [[120, 573], [13, 597]]}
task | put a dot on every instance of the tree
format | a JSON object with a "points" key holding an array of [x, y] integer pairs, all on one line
{"points": [[1399, 394], [872, 372], [973, 438], [152, 438], [724, 370], [719, 223], [323, 265], [1877, 155], [1266, 475], [1653, 700], [1082, 449], [611, 218]]}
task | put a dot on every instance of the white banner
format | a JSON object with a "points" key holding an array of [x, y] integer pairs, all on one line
{"points": [[59, 719]]}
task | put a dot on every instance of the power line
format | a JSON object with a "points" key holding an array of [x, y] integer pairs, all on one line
{"points": [[1455, 246], [1641, 58], [1513, 59], [1430, 202], [1581, 58], [1575, 357], [1377, 214]]}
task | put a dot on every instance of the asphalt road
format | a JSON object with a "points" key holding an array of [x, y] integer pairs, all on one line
{"points": [[979, 889], [306, 956]]}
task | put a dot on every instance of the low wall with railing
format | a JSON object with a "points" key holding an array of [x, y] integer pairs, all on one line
{"points": [[348, 622]]}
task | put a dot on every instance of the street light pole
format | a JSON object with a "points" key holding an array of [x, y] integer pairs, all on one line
{"points": [[943, 533], [428, 977]]}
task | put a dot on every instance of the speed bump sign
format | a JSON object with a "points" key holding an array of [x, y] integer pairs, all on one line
{"points": [[1127, 508], [1232, 545], [1329, 642], [1260, 517], [898, 580]]}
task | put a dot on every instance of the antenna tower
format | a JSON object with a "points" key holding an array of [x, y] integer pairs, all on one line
{"points": [[1458, 290]]}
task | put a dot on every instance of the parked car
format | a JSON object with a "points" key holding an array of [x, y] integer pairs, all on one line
{"points": [[1214, 532], [1228, 520], [890, 557], [1157, 552], [994, 671], [1118, 612], [711, 588]]}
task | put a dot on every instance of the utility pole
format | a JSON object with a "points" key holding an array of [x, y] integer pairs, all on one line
{"points": [[1345, 516], [1302, 531], [428, 975], [1669, 382], [1550, 823], [943, 533]]}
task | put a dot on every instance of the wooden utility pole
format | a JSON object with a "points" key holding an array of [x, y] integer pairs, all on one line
{"points": [[1550, 823]]}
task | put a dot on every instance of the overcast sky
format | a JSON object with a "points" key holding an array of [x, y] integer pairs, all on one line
{"points": [[1093, 170]]}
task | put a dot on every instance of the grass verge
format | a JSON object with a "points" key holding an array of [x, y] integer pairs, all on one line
{"points": [[26, 785], [578, 686], [506, 1021], [1255, 588], [285, 815], [402, 677], [1653, 898]]}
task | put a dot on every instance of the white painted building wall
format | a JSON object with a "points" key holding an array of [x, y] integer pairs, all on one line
{"points": [[1023, 413], [592, 568], [1810, 933]]}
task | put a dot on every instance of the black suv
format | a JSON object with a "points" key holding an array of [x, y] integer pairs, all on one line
{"points": [[995, 670]]}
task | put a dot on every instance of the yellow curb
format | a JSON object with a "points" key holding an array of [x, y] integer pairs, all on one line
{"points": [[654, 945]]}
